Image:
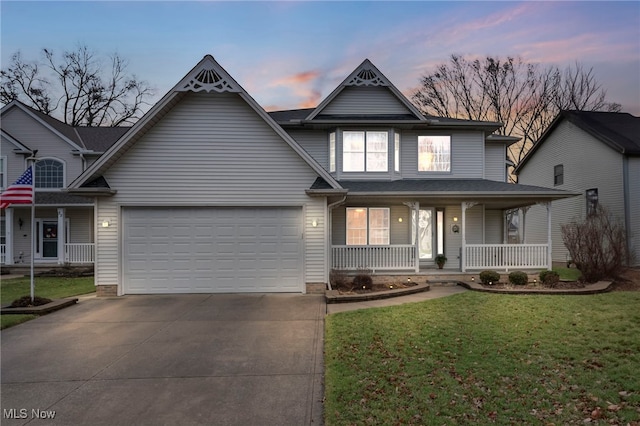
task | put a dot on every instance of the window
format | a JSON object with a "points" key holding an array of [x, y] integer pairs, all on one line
{"points": [[332, 151], [558, 175], [49, 174], [365, 151], [592, 200], [367, 226], [3, 172], [434, 153], [396, 152]]}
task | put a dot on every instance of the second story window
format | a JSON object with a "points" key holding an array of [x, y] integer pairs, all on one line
{"points": [[558, 175], [49, 174], [434, 153], [365, 151]]}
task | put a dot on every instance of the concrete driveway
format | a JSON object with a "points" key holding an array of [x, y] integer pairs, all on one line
{"points": [[173, 360]]}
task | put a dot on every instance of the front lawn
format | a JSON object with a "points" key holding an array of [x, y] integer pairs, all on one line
{"points": [[50, 287], [477, 358]]}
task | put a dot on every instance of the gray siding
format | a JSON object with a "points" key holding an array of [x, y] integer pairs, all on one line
{"points": [[588, 163], [211, 150], [474, 223], [495, 162], [36, 136], [365, 101], [466, 150], [14, 164], [315, 142], [494, 226], [634, 208]]}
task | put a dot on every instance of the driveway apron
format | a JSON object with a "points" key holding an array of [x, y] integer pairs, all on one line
{"points": [[176, 360]]}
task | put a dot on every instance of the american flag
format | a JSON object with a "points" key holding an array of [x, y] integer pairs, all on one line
{"points": [[21, 192]]}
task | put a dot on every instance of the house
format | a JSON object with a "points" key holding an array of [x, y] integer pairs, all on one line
{"points": [[210, 193], [596, 154], [64, 223]]}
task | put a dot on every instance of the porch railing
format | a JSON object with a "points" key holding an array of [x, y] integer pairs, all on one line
{"points": [[506, 256], [79, 253], [392, 257], [3, 253]]}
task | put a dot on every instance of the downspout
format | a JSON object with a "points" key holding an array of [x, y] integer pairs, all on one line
{"points": [[330, 207], [627, 206]]}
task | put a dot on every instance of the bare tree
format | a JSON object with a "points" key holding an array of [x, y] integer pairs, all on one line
{"points": [[86, 92], [523, 96]]}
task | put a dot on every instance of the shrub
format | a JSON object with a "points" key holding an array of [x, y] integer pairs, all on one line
{"points": [[363, 281], [549, 278], [339, 280], [597, 245], [518, 278], [487, 277]]}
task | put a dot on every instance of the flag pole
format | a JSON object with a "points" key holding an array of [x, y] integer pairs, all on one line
{"points": [[33, 222]]}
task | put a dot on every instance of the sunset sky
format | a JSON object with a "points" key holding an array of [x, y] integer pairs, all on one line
{"points": [[292, 54]]}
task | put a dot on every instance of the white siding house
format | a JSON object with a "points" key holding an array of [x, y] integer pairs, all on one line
{"points": [[586, 153], [210, 193]]}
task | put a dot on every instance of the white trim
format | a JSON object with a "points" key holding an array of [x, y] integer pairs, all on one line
{"points": [[3, 168]]}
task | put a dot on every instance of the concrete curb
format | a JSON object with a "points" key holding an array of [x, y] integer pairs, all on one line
{"points": [[40, 310], [333, 296], [599, 287]]}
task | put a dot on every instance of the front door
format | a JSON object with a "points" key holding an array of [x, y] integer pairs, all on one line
{"points": [[430, 232], [49, 239], [425, 233]]}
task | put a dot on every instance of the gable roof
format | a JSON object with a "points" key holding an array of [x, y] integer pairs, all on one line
{"points": [[366, 74], [83, 139], [618, 130], [207, 76]]}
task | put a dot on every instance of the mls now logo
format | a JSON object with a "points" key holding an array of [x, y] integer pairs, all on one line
{"points": [[23, 413]]}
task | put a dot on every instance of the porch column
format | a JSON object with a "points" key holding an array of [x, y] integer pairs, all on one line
{"points": [[8, 229], [463, 255], [524, 223], [62, 232]]}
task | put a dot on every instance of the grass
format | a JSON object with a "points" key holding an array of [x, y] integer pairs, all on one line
{"points": [[486, 359], [50, 287], [568, 274]]}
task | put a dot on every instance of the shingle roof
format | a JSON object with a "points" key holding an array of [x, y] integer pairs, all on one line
{"points": [[427, 186], [60, 198], [100, 138], [440, 185], [618, 130]]}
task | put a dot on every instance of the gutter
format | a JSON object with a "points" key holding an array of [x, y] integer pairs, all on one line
{"points": [[329, 228]]}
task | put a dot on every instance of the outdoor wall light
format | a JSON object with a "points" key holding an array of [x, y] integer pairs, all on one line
{"points": [[106, 223], [455, 218], [20, 222], [400, 219], [314, 223]]}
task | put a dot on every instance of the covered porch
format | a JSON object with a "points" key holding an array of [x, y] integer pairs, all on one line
{"points": [[402, 233], [63, 235]]}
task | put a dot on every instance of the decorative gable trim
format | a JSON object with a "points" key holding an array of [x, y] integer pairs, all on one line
{"points": [[208, 76], [366, 74], [170, 99], [367, 77]]}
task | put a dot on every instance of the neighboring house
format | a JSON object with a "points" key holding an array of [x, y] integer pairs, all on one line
{"points": [[64, 223], [596, 154], [210, 193]]}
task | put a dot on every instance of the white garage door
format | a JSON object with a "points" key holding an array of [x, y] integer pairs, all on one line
{"points": [[212, 250]]}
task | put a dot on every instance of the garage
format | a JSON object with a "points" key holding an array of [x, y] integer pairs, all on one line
{"points": [[212, 250]]}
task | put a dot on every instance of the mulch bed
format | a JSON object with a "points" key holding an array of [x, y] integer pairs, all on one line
{"points": [[377, 288]]}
